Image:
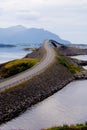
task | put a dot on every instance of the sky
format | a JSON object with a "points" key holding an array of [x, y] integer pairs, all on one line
{"points": [[66, 18]]}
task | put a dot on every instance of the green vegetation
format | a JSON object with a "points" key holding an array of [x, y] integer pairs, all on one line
{"points": [[17, 66], [74, 59], [65, 127], [72, 67]]}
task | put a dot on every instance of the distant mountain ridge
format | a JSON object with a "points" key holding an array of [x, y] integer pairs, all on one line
{"points": [[20, 34]]}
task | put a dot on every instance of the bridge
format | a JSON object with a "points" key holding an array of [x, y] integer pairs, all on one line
{"points": [[55, 44]]}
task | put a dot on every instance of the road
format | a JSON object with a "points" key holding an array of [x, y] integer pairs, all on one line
{"points": [[48, 58]]}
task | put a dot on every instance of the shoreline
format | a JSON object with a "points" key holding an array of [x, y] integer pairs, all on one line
{"points": [[32, 92], [28, 93]]}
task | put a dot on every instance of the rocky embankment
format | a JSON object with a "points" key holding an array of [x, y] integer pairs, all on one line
{"points": [[83, 74], [82, 63], [37, 53], [71, 51], [16, 100]]}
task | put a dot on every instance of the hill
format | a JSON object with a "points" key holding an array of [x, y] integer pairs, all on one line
{"points": [[21, 34]]}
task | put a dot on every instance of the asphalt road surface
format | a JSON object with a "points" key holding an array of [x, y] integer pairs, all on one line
{"points": [[48, 58]]}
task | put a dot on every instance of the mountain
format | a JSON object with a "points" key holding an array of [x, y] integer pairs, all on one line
{"points": [[21, 34]]}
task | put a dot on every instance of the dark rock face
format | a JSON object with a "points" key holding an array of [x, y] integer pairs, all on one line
{"points": [[17, 100], [82, 63]]}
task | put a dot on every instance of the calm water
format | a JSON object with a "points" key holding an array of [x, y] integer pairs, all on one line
{"points": [[68, 106], [7, 54], [80, 57], [11, 53]]}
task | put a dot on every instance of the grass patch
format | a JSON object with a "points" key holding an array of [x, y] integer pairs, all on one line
{"points": [[72, 127], [16, 66], [21, 62], [72, 67]]}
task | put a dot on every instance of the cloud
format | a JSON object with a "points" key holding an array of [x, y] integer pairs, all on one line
{"points": [[28, 15], [60, 16]]}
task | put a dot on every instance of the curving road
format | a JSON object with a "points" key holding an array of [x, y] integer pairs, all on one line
{"points": [[48, 58]]}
